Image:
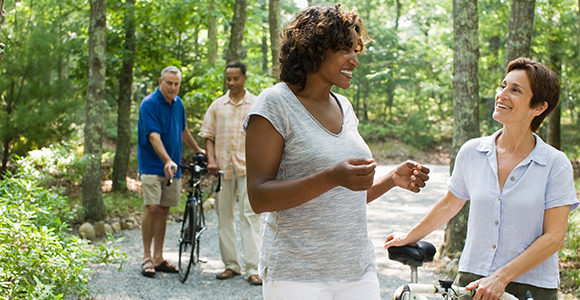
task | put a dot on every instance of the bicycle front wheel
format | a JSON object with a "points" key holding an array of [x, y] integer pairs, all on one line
{"points": [[199, 221], [187, 241]]}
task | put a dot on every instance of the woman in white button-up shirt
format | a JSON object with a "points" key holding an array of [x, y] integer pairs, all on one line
{"points": [[520, 189]]}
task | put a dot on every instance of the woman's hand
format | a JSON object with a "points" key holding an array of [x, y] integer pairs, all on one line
{"points": [[396, 239], [488, 288], [356, 174], [410, 176]]}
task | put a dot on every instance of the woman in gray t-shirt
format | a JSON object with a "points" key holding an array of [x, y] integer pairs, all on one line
{"points": [[310, 169]]}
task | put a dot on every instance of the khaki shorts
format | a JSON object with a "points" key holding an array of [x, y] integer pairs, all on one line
{"points": [[156, 191]]}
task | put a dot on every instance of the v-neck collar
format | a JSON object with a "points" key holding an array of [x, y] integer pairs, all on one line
{"points": [[295, 98]]}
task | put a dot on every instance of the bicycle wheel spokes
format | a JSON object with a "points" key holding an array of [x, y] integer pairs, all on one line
{"points": [[186, 242]]}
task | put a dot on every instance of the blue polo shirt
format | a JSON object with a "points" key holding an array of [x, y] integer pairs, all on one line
{"points": [[503, 223], [168, 120]]}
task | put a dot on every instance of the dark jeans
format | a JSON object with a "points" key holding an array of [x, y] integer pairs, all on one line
{"points": [[514, 288]]}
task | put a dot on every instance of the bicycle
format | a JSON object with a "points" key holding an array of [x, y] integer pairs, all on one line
{"points": [[193, 222], [414, 256]]}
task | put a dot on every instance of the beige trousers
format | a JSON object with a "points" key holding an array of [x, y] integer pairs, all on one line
{"points": [[234, 190]]}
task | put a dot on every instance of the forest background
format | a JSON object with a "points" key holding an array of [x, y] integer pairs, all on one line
{"points": [[73, 73]]}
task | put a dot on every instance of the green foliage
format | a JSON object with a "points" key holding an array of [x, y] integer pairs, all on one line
{"points": [[570, 256], [570, 253], [414, 130], [62, 161], [570, 140], [404, 76], [39, 257], [38, 97], [122, 204]]}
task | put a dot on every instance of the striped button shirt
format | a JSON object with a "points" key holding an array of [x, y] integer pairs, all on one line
{"points": [[223, 124]]}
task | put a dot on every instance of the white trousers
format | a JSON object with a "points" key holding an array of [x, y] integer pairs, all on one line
{"points": [[367, 288], [250, 226]]}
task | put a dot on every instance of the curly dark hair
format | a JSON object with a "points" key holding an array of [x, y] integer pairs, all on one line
{"points": [[314, 31], [544, 84]]}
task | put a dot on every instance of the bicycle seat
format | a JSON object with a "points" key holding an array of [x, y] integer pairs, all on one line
{"points": [[413, 255]]}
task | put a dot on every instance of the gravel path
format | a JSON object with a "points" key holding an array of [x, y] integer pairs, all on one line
{"points": [[396, 210]]}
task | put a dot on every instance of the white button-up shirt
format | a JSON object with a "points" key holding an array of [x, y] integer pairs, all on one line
{"points": [[503, 223]]}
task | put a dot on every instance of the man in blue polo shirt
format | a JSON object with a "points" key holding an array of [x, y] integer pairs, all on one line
{"points": [[162, 131]]}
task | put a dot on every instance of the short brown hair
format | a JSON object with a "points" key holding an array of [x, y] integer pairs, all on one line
{"points": [[544, 84], [314, 31]]}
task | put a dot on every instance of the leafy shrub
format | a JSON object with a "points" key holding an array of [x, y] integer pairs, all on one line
{"points": [[570, 256], [47, 165], [415, 131], [39, 258]]}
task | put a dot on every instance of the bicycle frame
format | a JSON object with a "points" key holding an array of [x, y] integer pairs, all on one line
{"points": [[193, 222], [194, 194], [446, 289], [414, 256]]}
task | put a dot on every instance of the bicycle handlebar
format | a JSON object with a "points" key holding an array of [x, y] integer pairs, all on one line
{"points": [[198, 167], [406, 291]]}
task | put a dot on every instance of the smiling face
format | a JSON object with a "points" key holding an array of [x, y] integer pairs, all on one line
{"points": [[512, 101], [235, 80], [337, 66]]}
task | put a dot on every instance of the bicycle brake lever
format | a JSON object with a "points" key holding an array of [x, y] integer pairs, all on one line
{"points": [[219, 184], [170, 181]]}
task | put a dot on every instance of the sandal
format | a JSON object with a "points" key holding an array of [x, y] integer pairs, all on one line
{"points": [[147, 268], [166, 267]]}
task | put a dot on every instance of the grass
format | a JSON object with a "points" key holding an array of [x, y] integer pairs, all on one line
{"points": [[122, 204], [570, 254]]}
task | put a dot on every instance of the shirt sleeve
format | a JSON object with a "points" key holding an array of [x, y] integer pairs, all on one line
{"points": [[207, 130], [269, 106], [457, 184], [149, 118], [560, 187]]}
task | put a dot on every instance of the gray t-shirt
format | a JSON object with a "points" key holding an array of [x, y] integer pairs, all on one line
{"points": [[325, 238]]}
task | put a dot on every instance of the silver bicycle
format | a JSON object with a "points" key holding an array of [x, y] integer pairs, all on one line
{"points": [[414, 256]]}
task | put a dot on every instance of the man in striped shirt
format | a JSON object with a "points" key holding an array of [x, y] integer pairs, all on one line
{"points": [[224, 136]]}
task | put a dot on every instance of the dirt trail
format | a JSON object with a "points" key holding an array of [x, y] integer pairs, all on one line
{"points": [[396, 210]]}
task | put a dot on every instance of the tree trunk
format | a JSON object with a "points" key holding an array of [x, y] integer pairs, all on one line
{"points": [[578, 58], [264, 40], [520, 30], [398, 16], [391, 85], [212, 45], [92, 195], [237, 34], [554, 135], [2, 16], [123, 152], [555, 64], [465, 103], [8, 134], [275, 33], [5, 155], [493, 125]]}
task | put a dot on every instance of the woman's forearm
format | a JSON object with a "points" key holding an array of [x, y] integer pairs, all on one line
{"points": [[440, 214]]}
